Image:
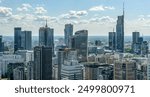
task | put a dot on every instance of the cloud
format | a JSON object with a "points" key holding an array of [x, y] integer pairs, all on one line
{"points": [[44, 18], [102, 20], [101, 8], [1, 1], [5, 11], [15, 18], [74, 14], [24, 7], [40, 10], [141, 18]]}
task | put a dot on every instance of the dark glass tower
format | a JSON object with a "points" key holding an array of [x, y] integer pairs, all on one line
{"points": [[1, 44], [22, 39], [80, 43], [42, 69], [46, 37], [17, 38], [135, 37], [68, 31], [26, 40], [112, 40], [120, 33]]}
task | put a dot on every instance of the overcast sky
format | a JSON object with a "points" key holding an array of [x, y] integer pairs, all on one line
{"points": [[97, 16]]}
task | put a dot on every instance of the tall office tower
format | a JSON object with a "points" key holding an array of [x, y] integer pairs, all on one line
{"points": [[135, 37], [19, 73], [125, 70], [112, 40], [22, 39], [11, 67], [68, 31], [26, 40], [135, 42], [46, 37], [71, 69], [80, 42], [17, 38], [1, 44], [120, 33], [42, 69]]}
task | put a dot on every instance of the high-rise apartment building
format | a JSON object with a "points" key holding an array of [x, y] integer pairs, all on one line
{"points": [[125, 70]]}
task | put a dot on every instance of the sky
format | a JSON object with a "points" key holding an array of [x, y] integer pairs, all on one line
{"points": [[97, 16]]}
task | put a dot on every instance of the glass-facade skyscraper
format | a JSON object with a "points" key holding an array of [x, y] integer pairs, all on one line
{"points": [[80, 42], [120, 33], [112, 40], [42, 68], [17, 38], [22, 39], [46, 37], [26, 40], [68, 31], [1, 44]]}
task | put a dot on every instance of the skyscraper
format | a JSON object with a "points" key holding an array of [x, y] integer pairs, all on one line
{"points": [[46, 37], [136, 42], [120, 33], [1, 44], [42, 69], [80, 42], [26, 40], [68, 31], [112, 40], [22, 39], [17, 38], [135, 37]]}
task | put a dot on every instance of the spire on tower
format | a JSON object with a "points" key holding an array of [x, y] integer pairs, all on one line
{"points": [[123, 8], [46, 24]]}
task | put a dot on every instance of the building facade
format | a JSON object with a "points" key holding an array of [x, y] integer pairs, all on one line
{"points": [[68, 32], [46, 37], [112, 40], [42, 69], [80, 43]]}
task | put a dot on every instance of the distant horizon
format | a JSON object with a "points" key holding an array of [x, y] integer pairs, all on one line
{"points": [[88, 35]]}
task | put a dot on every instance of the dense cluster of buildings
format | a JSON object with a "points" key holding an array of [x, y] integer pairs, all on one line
{"points": [[75, 58]]}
